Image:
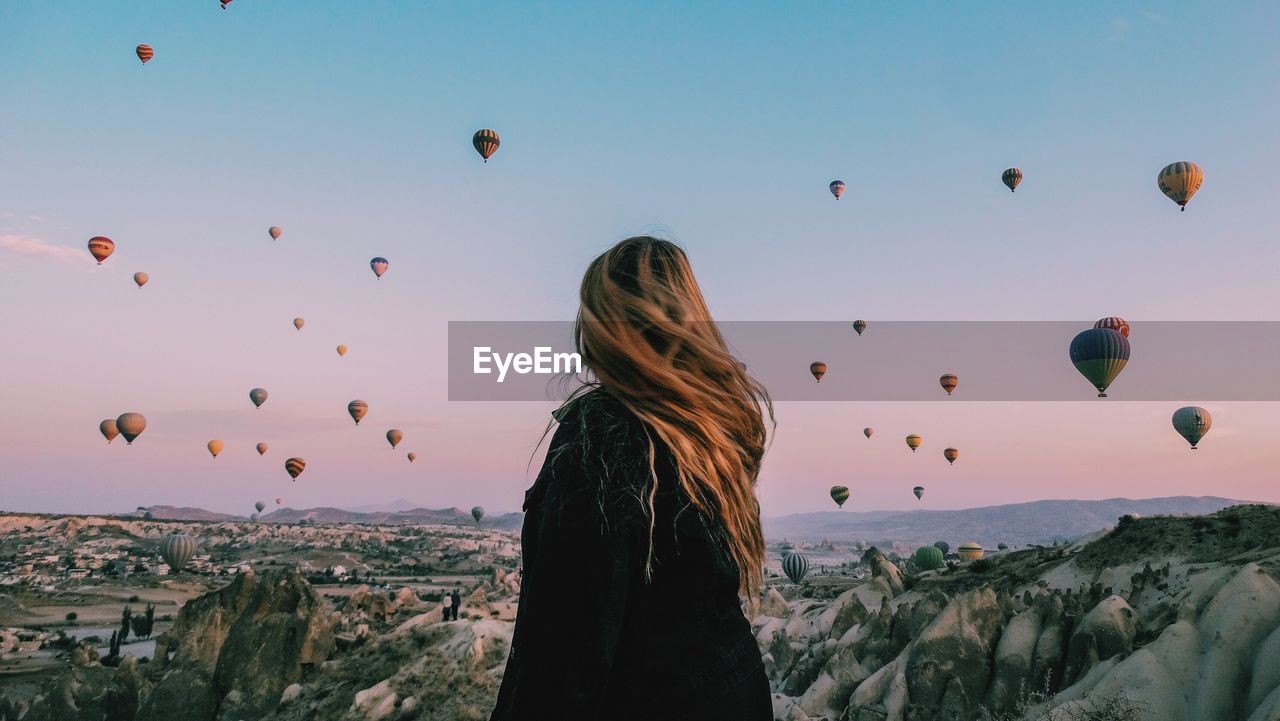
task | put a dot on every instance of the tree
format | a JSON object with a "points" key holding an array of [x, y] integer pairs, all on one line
{"points": [[72, 615], [143, 624], [125, 617]]}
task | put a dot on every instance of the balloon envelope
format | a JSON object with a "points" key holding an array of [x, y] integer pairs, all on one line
{"points": [[859, 326], [145, 53], [379, 266], [258, 396], [298, 323], [295, 466], [259, 505], [913, 442], [929, 558], [486, 142], [477, 513], [412, 456], [215, 447], [1100, 354], [108, 429], [1114, 322], [1011, 178], [868, 432], [839, 494], [274, 231], [342, 350], [951, 455], [141, 278], [394, 437], [818, 369], [262, 448], [948, 381], [101, 247], [1179, 181], [919, 491], [836, 188], [795, 565], [1192, 423], [131, 425], [177, 549], [357, 409]]}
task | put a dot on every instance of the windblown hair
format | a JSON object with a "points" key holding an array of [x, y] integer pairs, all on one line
{"points": [[646, 335]]}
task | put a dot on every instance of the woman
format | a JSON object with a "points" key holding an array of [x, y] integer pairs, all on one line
{"points": [[642, 531]]}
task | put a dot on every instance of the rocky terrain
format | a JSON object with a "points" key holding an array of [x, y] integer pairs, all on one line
{"points": [[1158, 618]]}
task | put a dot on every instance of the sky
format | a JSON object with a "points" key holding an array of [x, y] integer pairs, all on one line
{"points": [[718, 125]]}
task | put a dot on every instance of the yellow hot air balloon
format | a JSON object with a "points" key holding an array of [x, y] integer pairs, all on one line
{"points": [[262, 449], [970, 551], [141, 278], [913, 442], [342, 350], [215, 447], [948, 381], [131, 425], [357, 409], [394, 436], [298, 323], [1179, 181]]}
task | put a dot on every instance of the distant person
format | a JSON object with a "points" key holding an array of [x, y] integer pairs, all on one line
{"points": [[446, 605], [642, 531], [455, 601]]}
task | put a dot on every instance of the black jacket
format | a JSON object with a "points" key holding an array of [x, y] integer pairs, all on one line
{"points": [[594, 640]]}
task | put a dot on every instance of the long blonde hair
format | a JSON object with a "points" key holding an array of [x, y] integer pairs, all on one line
{"points": [[645, 333]]}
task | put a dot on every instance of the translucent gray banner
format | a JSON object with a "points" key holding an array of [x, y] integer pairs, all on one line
{"points": [[904, 360]]}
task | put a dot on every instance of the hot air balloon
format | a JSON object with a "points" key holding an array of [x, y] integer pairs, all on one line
{"points": [[795, 565], [929, 558], [948, 381], [141, 278], [412, 456], [859, 326], [295, 466], [1011, 178], [393, 436], [298, 323], [1192, 423], [279, 501], [215, 447], [970, 551], [342, 350], [1114, 323], [868, 432], [259, 505], [951, 455], [486, 143], [919, 491], [839, 494], [225, 3], [258, 396], [177, 549], [913, 442], [145, 53], [1002, 546], [357, 409], [477, 512], [101, 247], [379, 266], [818, 369], [1180, 181], [837, 188], [1100, 354], [262, 449], [253, 517], [109, 430], [942, 546], [274, 231], [131, 425]]}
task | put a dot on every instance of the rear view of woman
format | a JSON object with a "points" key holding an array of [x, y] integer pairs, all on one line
{"points": [[642, 530]]}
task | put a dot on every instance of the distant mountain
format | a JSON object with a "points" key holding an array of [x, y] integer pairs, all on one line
{"points": [[400, 504], [1017, 524], [409, 516]]}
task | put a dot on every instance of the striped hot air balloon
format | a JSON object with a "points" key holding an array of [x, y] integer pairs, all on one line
{"points": [[141, 278], [295, 466], [109, 430], [486, 143], [951, 455], [379, 266], [274, 231], [145, 53], [795, 565], [818, 369], [259, 505], [1011, 178], [357, 409], [859, 326], [101, 247], [177, 549], [1192, 423], [928, 558], [970, 551], [1100, 354], [1114, 322], [948, 381], [1179, 181], [837, 188], [131, 425], [261, 448], [913, 442], [840, 494]]}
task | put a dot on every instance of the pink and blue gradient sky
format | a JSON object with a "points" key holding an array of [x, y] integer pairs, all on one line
{"points": [[349, 124]]}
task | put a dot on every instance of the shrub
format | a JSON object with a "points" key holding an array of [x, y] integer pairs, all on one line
{"points": [[72, 615]]}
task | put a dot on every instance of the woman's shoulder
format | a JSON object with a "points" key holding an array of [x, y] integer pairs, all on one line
{"points": [[598, 416], [599, 441]]}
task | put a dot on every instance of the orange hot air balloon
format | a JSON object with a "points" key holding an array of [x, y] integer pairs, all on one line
{"points": [[101, 248], [141, 278], [357, 409], [298, 323], [913, 442], [412, 456], [818, 369], [215, 447], [394, 437], [145, 53], [948, 381], [342, 350], [486, 143], [295, 466], [262, 449]]}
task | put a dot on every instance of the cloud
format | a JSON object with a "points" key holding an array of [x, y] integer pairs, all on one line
{"points": [[33, 246]]}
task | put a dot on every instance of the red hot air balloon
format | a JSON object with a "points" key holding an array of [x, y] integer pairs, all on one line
{"points": [[145, 53], [486, 143], [1115, 323], [818, 369], [101, 247]]}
